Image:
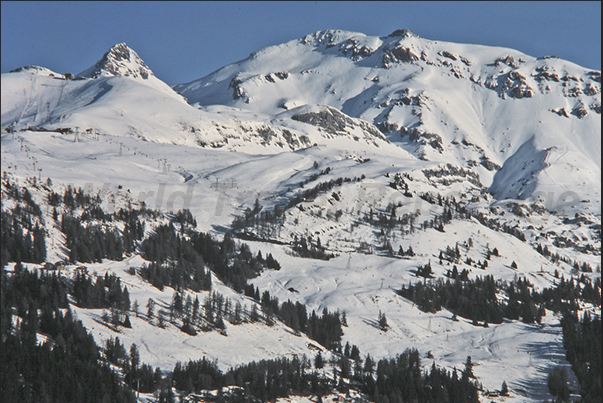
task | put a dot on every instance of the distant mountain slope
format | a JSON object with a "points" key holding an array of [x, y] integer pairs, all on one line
{"points": [[471, 105], [119, 95], [364, 167]]}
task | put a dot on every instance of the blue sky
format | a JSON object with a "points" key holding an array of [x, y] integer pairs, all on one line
{"points": [[183, 41]]}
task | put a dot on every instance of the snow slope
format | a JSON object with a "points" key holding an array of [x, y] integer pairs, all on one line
{"points": [[120, 96], [473, 105], [313, 104]]}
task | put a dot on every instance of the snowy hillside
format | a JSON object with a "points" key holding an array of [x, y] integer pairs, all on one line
{"points": [[364, 165], [491, 109], [120, 96]]}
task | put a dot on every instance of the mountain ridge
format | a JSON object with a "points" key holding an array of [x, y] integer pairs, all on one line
{"points": [[438, 100], [119, 60], [374, 176]]}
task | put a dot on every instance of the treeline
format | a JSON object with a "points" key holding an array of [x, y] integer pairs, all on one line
{"points": [[90, 243], [178, 260], [582, 342], [191, 315], [20, 244], [264, 223], [477, 299], [388, 219], [137, 375], [22, 197], [310, 194], [72, 199], [102, 292], [455, 209], [307, 248], [556, 257], [174, 261], [393, 380], [267, 224], [92, 234], [65, 368], [326, 329], [90, 239], [22, 227]]}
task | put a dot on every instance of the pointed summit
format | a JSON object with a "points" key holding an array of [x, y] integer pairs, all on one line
{"points": [[403, 33], [120, 60]]}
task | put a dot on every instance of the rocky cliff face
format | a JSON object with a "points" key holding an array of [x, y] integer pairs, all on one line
{"points": [[120, 60], [473, 106]]}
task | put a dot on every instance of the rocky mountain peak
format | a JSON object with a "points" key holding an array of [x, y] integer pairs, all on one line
{"points": [[120, 60], [403, 33]]}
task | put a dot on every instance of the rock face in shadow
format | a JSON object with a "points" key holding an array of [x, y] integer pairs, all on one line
{"points": [[335, 122], [329, 119]]}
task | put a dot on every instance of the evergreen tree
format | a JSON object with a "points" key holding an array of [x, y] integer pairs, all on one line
{"points": [[150, 308], [318, 361], [161, 319], [254, 316], [355, 353], [369, 364], [557, 383], [382, 320], [468, 371], [134, 357], [136, 307], [504, 390]]}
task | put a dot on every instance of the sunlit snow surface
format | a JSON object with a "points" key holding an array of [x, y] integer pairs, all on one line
{"points": [[147, 144], [361, 285]]}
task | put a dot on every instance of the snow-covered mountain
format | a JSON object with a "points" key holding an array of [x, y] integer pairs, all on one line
{"points": [[120, 95], [528, 126], [120, 60], [358, 147]]}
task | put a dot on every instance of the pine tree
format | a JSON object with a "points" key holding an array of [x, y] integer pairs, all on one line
{"points": [[125, 299], [195, 312], [504, 390], [150, 308], [369, 364], [344, 368], [135, 307], [318, 361], [134, 359], [557, 383], [160, 319], [254, 316], [468, 371], [382, 322], [355, 353]]}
